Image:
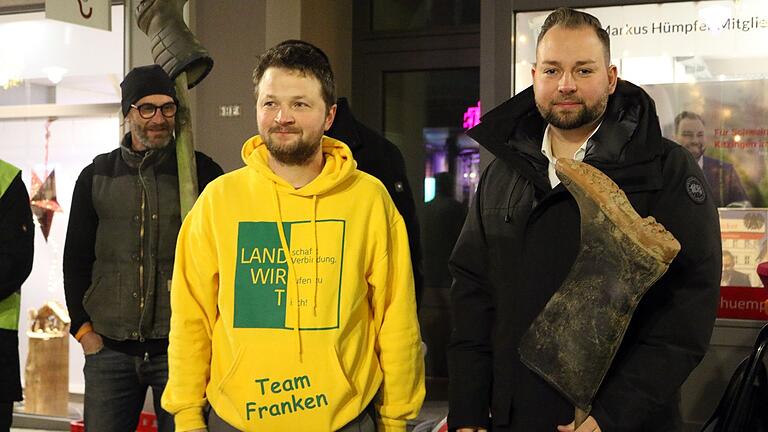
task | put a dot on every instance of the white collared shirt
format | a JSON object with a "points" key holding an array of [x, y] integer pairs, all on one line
{"points": [[546, 150]]}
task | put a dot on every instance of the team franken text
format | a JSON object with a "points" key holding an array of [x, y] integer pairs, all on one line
{"points": [[277, 389]]}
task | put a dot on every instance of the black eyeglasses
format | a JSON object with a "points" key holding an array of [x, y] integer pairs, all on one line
{"points": [[148, 110]]}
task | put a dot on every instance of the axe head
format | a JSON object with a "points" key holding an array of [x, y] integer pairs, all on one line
{"points": [[174, 47], [573, 341]]}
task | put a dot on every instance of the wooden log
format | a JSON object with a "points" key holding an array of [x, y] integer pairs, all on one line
{"points": [[46, 376]]}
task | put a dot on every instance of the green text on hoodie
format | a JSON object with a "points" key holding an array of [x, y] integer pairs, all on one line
{"points": [[293, 308]]}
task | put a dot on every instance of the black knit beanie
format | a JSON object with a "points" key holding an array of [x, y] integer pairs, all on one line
{"points": [[143, 81]]}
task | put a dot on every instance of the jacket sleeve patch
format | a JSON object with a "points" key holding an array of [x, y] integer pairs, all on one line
{"points": [[695, 190]]}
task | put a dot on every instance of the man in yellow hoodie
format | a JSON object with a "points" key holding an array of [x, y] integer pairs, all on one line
{"points": [[292, 301]]}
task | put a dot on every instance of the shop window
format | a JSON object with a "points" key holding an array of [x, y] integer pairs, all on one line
{"points": [[59, 108], [51, 62], [426, 114], [430, 107]]}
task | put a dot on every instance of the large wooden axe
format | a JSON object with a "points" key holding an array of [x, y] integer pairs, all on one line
{"points": [[573, 341], [187, 62]]}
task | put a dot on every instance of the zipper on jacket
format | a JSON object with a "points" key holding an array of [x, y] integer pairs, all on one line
{"points": [[141, 246], [141, 250], [510, 207]]}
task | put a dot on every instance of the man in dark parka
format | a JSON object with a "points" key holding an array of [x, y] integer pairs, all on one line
{"points": [[522, 236]]}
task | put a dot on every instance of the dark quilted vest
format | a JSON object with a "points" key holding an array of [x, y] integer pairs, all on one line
{"points": [[136, 198]]}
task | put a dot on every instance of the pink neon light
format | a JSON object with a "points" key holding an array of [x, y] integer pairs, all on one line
{"points": [[472, 116]]}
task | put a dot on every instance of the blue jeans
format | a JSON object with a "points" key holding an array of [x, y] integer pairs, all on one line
{"points": [[116, 386]]}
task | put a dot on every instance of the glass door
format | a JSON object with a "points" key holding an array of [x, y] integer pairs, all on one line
{"points": [[425, 115]]}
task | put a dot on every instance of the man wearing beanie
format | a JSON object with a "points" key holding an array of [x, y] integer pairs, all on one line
{"points": [[118, 257]]}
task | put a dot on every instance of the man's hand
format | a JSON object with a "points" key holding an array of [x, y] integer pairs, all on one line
{"points": [[589, 425], [91, 343], [472, 430]]}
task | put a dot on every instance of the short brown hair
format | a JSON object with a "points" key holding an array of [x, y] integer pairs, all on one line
{"points": [[300, 56], [687, 115], [572, 19]]}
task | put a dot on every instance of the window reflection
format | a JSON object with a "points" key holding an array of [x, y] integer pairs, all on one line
{"points": [[426, 114]]}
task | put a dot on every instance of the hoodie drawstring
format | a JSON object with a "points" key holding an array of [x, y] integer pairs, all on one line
{"points": [[294, 293], [289, 260], [314, 251]]}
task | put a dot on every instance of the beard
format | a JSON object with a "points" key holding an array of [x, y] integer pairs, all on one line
{"points": [[696, 149], [158, 142], [573, 120], [297, 153]]}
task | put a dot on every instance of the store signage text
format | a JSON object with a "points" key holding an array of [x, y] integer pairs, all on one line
{"points": [[666, 27], [472, 116], [743, 303]]}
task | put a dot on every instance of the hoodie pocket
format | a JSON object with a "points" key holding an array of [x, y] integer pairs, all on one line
{"points": [[270, 388]]}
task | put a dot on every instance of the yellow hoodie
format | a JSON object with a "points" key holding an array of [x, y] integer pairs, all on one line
{"points": [[293, 308]]}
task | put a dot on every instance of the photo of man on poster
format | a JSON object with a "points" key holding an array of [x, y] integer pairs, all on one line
{"points": [[731, 276], [727, 190]]}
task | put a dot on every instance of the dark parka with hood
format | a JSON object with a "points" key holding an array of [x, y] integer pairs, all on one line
{"points": [[519, 242]]}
